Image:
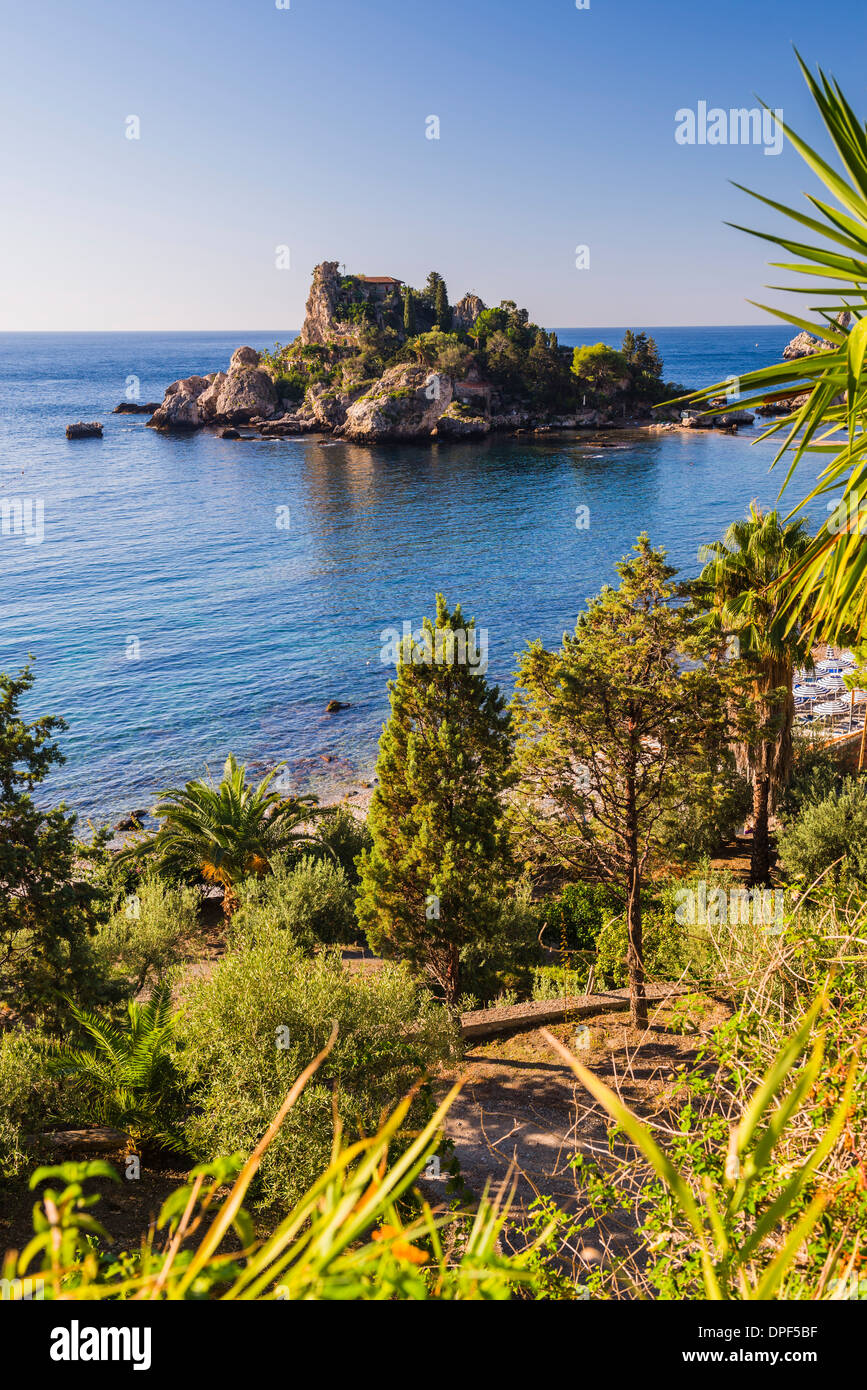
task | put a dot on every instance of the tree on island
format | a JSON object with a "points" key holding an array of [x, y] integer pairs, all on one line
{"points": [[409, 327], [642, 354], [429, 882], [601, 367], [46, 912], [608, 728], [441, 307], [740, 586]]}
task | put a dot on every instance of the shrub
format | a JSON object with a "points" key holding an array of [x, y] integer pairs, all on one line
{"points": [[245, 1034], [311, 899], [148, 933], [816, 773], [501, 962], [555, 981], [126, 1073], [826, 831], [666, 948], [576, 918], [345, 836], [718, 802], [21, 1070]]}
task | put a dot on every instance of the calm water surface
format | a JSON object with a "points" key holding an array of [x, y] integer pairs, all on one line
{"points": [[171, 620]]}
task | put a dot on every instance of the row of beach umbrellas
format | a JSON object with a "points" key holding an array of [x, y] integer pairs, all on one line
{"points": [[822, 695]]}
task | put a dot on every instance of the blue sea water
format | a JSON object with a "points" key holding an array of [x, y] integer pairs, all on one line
{"points": [[171, 620]]}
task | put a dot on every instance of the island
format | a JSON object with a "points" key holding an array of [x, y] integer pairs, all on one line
{"points": [[378, 360]]}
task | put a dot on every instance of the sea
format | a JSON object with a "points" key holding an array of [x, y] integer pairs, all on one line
{"points": [[186, 597]]}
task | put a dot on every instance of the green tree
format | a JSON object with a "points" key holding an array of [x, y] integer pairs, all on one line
{"points": [[601, 367], [740, 588], [441, 307], [642, 354], [824, 390], [409, 327], [428, 884], [226, 833], [607, 727], [46, 914]]}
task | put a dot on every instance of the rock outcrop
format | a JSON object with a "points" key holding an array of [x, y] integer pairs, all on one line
{"points": [[84, 429], [223, 398], [459, 422], [321, 308], [805, 345], [465, 313], [406, 402]]}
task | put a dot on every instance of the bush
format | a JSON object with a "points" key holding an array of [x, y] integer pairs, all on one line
{"points": [[576, 918], [310, 898], [245, 1034], [665, 941], [21, 1075], [555, 981], [718, 803], [501, 962], [816, 773], [826, 831], [148, 933], [346, 836]]}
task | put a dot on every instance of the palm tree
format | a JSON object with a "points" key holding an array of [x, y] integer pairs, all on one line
{"points": [[824, 393], [227, 833], [128, 1070], [739, 588]]}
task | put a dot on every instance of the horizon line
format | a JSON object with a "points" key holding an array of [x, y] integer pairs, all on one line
{"points": [[554, 328]]}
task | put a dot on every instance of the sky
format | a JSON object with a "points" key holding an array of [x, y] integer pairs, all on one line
{"points": [[306, 127]]}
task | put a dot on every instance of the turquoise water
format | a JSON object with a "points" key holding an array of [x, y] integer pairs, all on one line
{"points": [[172, 621]]}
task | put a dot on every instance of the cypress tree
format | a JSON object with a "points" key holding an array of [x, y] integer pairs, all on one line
{"points": [[429, 880], [441, 306], [408, 313]]}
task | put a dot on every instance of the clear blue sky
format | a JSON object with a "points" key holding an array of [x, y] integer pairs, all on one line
{"points": [[306, 127]]}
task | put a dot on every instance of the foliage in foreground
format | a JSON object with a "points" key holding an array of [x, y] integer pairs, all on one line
{"points": [[357, 1233], [746, 1240], [245, 1033], [824, 394]]}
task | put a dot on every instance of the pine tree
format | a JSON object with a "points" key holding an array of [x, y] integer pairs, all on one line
{"points": [[429, 881], [610, 728], [409, 327]]}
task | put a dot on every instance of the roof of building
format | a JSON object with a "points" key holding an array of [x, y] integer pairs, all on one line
{"points": [[380, 280]]}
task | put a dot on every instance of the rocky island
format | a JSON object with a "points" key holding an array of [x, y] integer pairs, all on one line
{"points": [[378, 360]]}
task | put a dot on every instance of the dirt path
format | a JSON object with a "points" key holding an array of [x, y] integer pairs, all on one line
{"points": [[522, 1113]]}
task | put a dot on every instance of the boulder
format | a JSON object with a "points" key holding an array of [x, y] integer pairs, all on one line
{"points": [[406, 402], [247, 390], [84, 429], [208, 399], [136, 408], [327, 405], [229, 433], [180, 408], [334, 705]]}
